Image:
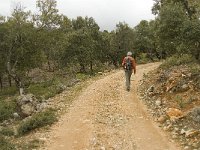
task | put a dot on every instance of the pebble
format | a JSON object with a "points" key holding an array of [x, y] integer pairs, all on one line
{"points": [[186, 147], [158, 102], [102, 148]]}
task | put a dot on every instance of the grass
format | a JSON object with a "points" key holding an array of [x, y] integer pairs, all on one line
{"points": [[48, 89], [5, 144], [33, 144], [7, 108], [194, 68], [82, 76], [180, 101], [38, 120], [7, 131], [177, 60], [8, 91]]}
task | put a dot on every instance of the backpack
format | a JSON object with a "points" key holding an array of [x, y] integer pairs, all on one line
{"points": [[128, 64]]}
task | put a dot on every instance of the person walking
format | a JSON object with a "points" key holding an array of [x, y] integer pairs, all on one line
{"points": [[129, 66]]}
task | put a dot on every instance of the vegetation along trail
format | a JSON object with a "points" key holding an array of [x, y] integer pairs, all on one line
{"points": [[106, 116]]}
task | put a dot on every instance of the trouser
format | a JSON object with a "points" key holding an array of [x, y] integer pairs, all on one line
{"points": [[128, 78]]}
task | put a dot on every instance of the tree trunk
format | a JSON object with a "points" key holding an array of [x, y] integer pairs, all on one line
{"points": [[198, 55], [91, 67], [1, 83], [17, 79], [49, 65], [19, 84], [82, 69], [9, 80]]}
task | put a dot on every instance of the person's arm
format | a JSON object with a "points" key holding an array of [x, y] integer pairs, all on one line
{"points": [[134, 65], [123, 62]]}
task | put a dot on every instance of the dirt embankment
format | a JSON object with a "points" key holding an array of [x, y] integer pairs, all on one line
{"points": [[173, 98]]}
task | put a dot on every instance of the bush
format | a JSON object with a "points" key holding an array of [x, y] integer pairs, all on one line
{"points": [[7, 109], [6, 145], [47, 89], [33, 144], [7, 132], [195, 68], [178, 60], [143, 59], [82, 76], [36, 121], [8, 91]]}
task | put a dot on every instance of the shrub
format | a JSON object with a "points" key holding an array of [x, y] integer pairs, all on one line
{"points": [[8, 91], [33, 144], [47, 89], [7, 108], [195, 68], [143, 59], [36, 121], [82, 76], [6, 145], [178, 60], [7, 132]]}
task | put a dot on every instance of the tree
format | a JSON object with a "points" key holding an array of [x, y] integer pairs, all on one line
{"points": [[83, 44], [122, 41], [171, 19], [20, 49], [177, 26], [48, 21]]}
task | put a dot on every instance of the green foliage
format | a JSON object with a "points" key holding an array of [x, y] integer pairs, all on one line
{"points": [[195, 68], [177, 27], [177, 60], [50, 88], [38, 120], [5, 144], [7, 108], [8, 91], [143, 59], [7, 131], [33, 144], [180, 101]]}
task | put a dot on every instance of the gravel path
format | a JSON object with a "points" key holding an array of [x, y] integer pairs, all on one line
{"points": [[107, 117]]}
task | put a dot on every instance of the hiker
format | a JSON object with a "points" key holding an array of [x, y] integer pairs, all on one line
{"points": [[129, 66]]}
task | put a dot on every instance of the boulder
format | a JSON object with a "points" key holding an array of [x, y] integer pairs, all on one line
{"points": [[24, 99], [191, 133], [184, 87], [195, 114], [27, 104], [41, 106], [28, 109], [174, 113]]}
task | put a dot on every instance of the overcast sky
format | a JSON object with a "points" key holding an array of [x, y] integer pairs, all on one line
{"points": [[107, 13]]}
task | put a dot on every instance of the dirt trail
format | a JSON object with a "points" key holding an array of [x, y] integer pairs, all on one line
{"points": [[107, 117]]}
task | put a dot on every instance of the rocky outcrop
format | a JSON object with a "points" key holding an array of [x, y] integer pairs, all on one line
{"points": [[173, 97], [29, 104]]}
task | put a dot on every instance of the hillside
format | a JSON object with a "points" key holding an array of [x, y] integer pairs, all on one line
{"points": [[172, 94]]}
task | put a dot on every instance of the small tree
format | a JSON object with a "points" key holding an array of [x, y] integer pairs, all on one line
{"points": [[20, 49]]}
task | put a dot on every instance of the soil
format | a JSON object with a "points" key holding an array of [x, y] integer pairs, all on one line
{"points": [[107, 117]]}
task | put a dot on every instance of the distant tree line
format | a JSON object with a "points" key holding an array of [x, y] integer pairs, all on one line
{"points": [[53, 40]]}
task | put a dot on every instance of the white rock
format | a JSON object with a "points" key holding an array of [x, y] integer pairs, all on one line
{"points": [[182, 131], [158, 102], [186, 147], [16, 115], [102, 148]]}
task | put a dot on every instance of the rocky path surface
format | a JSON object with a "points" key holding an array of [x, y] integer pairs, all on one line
{"points": [[107, 117]]}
